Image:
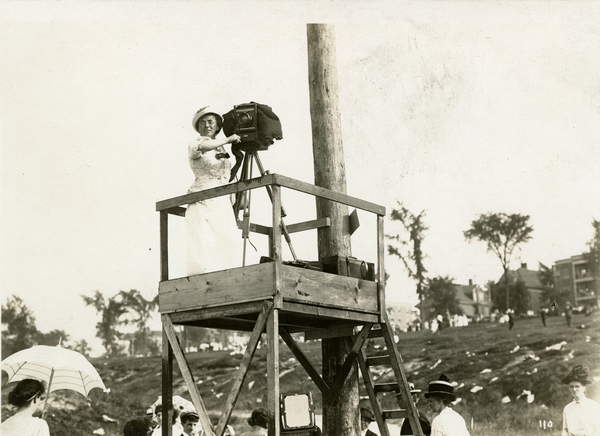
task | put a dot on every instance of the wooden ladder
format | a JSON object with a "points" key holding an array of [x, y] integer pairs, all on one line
{"points": [[400, 385]]}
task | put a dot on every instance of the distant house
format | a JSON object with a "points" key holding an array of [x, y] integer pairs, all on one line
{"points": [[574, 276], [474, 301], [532, 283]]}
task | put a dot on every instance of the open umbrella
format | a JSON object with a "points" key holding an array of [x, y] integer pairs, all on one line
{"points": [[58, 367]]}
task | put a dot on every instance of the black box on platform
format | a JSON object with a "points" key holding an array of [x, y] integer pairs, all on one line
{"points": [[349, 266]]}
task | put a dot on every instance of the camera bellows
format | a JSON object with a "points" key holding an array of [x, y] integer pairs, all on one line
{"points": [[256, 124]]}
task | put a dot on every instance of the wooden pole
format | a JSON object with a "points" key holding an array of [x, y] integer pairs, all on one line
{"points": [[340, 409], [273, 372]]}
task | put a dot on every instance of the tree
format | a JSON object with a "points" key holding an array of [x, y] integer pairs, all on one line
{"points": [[502, 233], [53, 337], [546, 275], [82, 347], [518, 296], [111, 310], [142, 310], [18, 326], [409, 249], [440, 296]]}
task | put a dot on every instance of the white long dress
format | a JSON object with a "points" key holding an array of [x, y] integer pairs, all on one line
{"points": [[213, 240]]}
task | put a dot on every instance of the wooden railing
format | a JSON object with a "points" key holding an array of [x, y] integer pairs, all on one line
{"points": [[275, 181]]}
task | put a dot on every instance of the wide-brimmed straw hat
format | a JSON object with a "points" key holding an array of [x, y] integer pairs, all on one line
{"points": [[204, 111], [580, 374], [440, 388]]}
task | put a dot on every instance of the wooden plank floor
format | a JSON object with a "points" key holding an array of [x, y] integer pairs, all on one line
{"points": [[233, 298]]}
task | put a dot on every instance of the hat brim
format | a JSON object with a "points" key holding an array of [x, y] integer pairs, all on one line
{"points": [[440, 394], [201, 113], [582, 380]]}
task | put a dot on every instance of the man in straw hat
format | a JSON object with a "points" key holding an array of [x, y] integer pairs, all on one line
{"points": [[425, 426], [581, 417], [447, 422]]}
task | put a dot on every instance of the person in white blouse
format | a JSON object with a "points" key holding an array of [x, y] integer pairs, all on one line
{"points": [[28, 397], [447, 422], [581, 417], [211, 231]]}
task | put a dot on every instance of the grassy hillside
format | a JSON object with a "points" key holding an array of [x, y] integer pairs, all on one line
{"points": [[488, 362]]}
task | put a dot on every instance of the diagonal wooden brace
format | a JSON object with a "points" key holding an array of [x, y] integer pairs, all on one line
{"points": [[259, 327], [306, 364], [187, 375], [342, 375]]}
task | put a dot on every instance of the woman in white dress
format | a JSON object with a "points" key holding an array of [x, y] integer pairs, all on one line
{"points": [[212, 238], [580, 416], [28, 397]]}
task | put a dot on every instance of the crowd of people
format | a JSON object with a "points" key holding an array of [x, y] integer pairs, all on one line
{"points": [[580, 416]]}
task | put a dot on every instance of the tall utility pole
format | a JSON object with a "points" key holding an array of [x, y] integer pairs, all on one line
{"points": [[340, 412]]}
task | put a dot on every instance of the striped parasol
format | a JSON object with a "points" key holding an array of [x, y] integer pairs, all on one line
{"points": [[58, 367]]}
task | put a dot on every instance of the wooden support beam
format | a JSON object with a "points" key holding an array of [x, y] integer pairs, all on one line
{"points": [[167, 386], [255, 228], [234, 309], [164, 246], [380, 267], [238, 381], [219, 191], [309, 225], [324, 312], [178, 210], [350, 361], [306, 364], [329, 332], [328, 194], [276, 247], [188, 377], [273, 370]]}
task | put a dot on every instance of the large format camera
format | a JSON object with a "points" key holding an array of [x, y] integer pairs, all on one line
{"points": [[255, 123]]}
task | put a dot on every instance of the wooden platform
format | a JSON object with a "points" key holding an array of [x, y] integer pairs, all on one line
{"points": [[273, 300], [233, 298]]}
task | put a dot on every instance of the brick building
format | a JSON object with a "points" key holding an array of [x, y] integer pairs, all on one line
{"points": [[574, 276]]}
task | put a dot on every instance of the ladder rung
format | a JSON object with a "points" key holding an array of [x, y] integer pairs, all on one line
{"points": [[394, 414], [378, 360], [376, 333], [386, 387]]}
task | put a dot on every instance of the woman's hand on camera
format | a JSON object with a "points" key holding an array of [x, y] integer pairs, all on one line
{"points": [[233, 139]]}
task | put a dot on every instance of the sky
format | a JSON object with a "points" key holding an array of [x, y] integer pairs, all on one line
{"points": [[455, 108]]}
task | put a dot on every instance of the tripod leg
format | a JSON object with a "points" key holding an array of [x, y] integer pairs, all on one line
{"points": [[241, 195], [284, 230], [246, 216]]}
